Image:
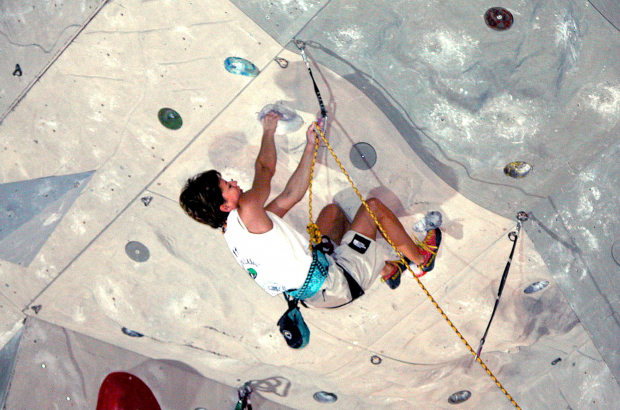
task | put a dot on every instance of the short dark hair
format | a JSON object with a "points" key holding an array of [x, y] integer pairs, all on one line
{"points": [[201, 198]]}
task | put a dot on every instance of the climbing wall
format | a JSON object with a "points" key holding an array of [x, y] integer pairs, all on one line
{"points": [[95, 248]]}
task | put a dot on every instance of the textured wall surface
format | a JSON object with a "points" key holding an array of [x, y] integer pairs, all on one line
{"points": [[32, 34], [92, 239]]}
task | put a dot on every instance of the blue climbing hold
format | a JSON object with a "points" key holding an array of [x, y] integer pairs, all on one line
{"points": [[241, 66]]}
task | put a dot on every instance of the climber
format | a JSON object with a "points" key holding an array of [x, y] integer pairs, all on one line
{"points": [[277, 256]]}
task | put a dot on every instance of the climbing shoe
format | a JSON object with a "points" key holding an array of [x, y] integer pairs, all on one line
{"points": [[393, 279], [429, 248]]}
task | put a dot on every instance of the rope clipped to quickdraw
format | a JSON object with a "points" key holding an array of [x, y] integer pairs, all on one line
{"points": [[313, 231], [513, 236]]}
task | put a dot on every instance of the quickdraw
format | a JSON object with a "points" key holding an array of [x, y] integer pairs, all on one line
{"points": [[513, 236]]}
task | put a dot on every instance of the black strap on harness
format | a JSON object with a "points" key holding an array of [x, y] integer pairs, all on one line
{"points": [[327, 247], [356, 289], [513, 236]]}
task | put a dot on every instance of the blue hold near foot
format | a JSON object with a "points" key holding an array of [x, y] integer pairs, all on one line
{"points": [[241, 66]]}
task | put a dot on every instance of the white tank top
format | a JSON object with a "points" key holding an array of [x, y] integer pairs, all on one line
{"points": [[278, 260]]}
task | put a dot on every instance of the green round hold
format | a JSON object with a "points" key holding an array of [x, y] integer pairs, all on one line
{"points": [[169, 118]]}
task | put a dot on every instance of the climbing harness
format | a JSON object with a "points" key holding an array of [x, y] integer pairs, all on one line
{"points": [[315, 234], [513, 236]]}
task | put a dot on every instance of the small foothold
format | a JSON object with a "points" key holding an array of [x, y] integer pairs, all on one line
{"points": [[498, 18], [536, 287], [459, 397], [36, 308], [374, 359], [556, 361], [147, 200], [18, 71], [325, 397], [282, 62], [131, 333], [517, 169]]}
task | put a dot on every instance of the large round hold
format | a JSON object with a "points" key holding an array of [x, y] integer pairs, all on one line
{"points": [[124, 391], [498, 18]]}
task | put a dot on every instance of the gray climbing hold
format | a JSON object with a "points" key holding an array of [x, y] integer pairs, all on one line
{"points": [[137, 251], [363, 156], [536, 287], [431, 221], [459, 397], [30, 211], [325, 397], [131, 333], [146, 200], [290, 121]]}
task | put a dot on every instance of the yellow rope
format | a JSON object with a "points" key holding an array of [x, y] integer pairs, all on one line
{"points": [[315, 229]]}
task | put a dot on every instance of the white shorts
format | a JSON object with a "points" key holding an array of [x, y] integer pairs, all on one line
{"points": [[359, 255]]}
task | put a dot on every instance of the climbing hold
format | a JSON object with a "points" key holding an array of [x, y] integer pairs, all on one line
{"points": [[498, 18], [289, 122], [459, 397], [536, 287], [282, 62], [18, 71], [374, 359], [556, 361], [124, 391], [137, 251], [146, 200], [431, 221], [363, 156], [169, 118], [36, 308], [131, 333], [241, 66], [325, 397], [518, 169]]}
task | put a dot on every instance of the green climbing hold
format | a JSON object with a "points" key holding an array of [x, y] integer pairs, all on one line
{"points": [[169, 118]]}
